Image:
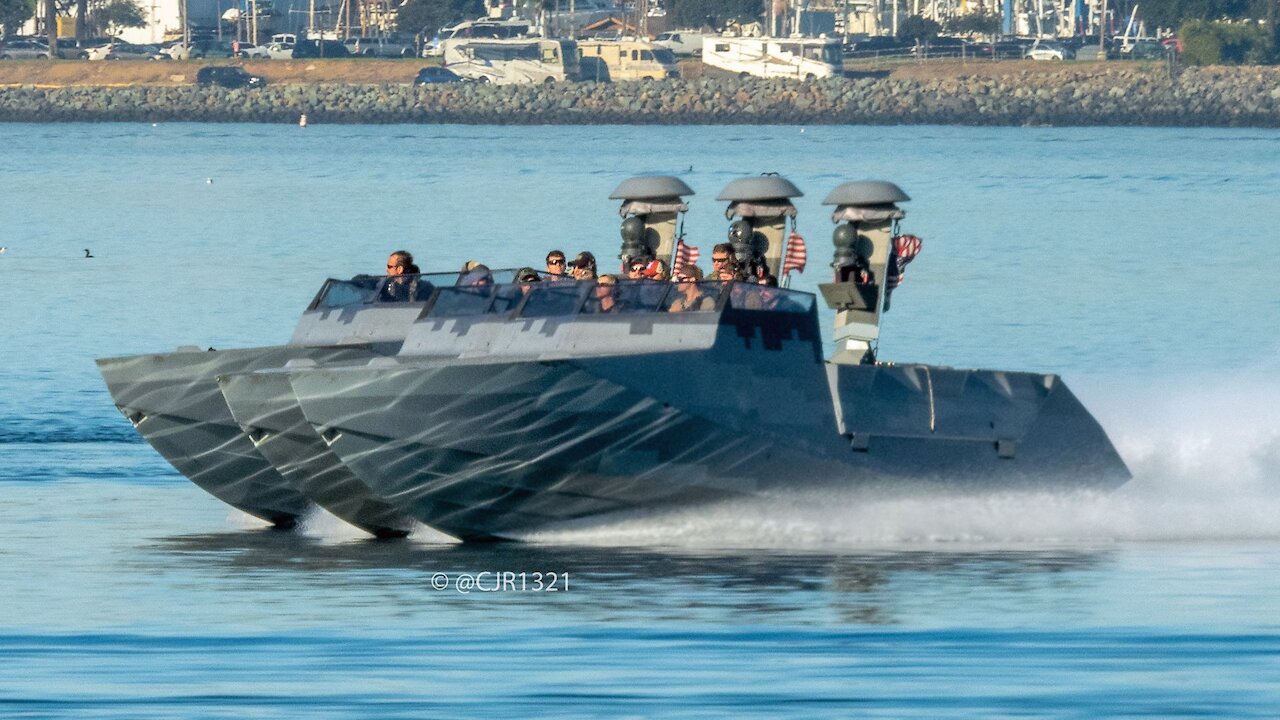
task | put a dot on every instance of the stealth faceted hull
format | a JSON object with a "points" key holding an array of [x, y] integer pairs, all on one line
{"points": [[266, 410], [174, 402], [494, 447]]}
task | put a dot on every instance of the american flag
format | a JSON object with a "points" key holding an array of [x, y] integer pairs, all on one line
{"points": [[684, 254], [905, 249], [795, 256]]}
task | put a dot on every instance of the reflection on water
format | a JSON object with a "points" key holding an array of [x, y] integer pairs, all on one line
{"points": [[859, 588]]}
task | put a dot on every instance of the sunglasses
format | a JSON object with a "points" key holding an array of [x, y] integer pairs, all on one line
{"points": [[393, 267], [555, 261], [719, 259], [637, 268]]}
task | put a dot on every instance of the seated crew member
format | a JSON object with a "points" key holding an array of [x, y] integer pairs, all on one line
{"points": [[583, 266], [475, 274], [774, 299], [689, 296], [722, 258], [658, 270], [604, 298], [555, 265], [400, 277], [636, 267]]}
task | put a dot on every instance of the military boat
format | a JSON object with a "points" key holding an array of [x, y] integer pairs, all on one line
{"points": [[497, 409], [221, 435]]}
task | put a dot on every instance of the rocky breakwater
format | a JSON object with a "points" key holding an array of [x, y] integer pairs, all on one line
{"points": [[1078, 95]]}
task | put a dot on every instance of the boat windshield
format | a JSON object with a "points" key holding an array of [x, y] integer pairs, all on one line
{"points": [[746, 296], [626, 297], [378, 289]]}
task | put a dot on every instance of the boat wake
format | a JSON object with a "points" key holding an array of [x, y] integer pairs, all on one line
{"points": [[1205, 457]]}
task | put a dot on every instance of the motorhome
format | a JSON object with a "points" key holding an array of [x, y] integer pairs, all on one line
{"points": [[803, 58], [631, 59], [482, 28], [513, 61]]}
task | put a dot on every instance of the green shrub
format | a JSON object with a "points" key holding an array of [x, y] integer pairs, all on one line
{"points": [[1224, 43]]}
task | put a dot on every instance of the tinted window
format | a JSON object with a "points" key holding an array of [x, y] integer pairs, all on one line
{"points": [[462, 301], [555, 298], [341, 293], [745, 296], [703, 300]]}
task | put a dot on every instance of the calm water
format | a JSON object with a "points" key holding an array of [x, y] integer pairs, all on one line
{"points": [[1140, 264]]}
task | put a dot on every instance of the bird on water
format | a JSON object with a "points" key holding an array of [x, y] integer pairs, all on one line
{"points": [[87, 253]]}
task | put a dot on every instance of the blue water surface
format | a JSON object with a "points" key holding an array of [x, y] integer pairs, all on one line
{"points": [[1138, 263]]}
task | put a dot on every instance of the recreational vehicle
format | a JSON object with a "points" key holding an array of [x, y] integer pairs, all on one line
{"points": [[796, 57], [511, 61], [631, 59], [482, 28]]}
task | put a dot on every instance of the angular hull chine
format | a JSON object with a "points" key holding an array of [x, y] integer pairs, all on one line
{"points": [[264, 406], [174, 402], [491, 449]]}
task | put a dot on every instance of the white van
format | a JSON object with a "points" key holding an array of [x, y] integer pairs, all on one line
{"points": [[685, 43], [631, 59], [512, 61], [796, 57]]}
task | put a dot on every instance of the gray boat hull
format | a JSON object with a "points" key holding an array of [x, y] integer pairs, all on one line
{"points": [[264, 406], [174, 402], [490, 447]]}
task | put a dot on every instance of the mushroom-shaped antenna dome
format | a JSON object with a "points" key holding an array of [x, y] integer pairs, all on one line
{"points": [[651, 187], [762, 187], [632, 229], [866, 192]]}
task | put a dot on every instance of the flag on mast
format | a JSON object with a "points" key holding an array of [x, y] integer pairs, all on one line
{"points": [[795, 256], [905, 249], [684, 254]]}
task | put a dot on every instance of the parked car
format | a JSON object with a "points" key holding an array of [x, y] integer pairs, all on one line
{"points": [[249, 50], [72, 49], [856, 48], [307, 48], [280, 51], [228, 76], [1043, 50], [435, 75], [202, 48], [132, 51], [945, 47], [1143, 50], [685, 43], [1002, 49], [23, 49], [99, 52], [379, 47]]}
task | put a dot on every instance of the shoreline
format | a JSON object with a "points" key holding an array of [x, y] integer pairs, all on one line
{"points": [[996, 94]]}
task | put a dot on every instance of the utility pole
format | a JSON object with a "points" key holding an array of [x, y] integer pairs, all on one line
{"points": [[51, 26], [1102, 31]]}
